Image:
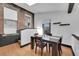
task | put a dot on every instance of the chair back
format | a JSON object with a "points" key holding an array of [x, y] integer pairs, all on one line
{"points": [[49, 34], [38, 40], [60, 41]]}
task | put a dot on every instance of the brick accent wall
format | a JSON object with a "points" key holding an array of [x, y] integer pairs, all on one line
{"points": [[1, 19]]}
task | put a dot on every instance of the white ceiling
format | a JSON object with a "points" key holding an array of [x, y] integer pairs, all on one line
{"points": [[44, 7]]}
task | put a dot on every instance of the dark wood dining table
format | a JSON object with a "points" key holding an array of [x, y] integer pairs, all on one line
{"points": [[54, 40]]}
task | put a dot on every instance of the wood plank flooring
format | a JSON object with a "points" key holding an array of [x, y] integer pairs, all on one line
{"points": [[15, 50]]}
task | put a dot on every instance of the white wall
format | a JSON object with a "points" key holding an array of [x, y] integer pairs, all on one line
{"points": [[64, 17], [55, 29]]}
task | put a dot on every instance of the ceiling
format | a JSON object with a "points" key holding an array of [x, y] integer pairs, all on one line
{"points": [[44, 7]]}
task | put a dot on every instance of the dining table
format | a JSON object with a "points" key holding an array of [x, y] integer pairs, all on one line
{"points": [[54, 40]]}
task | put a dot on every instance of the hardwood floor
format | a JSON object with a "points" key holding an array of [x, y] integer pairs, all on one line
{"points": [[15, 50]]}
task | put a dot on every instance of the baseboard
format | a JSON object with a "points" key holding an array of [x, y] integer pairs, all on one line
{"points": [[69, 47], [66, 45], [72, 52], [24, 45], [8, 44]]}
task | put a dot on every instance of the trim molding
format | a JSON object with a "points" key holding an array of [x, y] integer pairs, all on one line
{"points": [[24, 45], [66, 45], [70, 48], [72, 52], [7, 44]]}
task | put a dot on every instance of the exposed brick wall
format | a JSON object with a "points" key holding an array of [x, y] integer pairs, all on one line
{"points": [[21, 19], [1, 19]]}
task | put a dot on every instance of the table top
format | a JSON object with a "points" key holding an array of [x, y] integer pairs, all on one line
{"points": [[50, 38]]}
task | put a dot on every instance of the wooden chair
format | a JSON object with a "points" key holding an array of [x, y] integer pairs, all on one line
{"points": [[49, 44], [59, 46], [40, 44]]}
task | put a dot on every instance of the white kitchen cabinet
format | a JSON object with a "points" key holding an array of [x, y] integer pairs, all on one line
{"points": [[75, 45], [25, 35]]}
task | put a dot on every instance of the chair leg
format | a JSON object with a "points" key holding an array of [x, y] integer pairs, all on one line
{"points": [[35, 49], [59, 52], [49, 48], [46, 48], [41, 51]]}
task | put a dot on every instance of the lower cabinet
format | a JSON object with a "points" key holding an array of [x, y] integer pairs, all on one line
{"points": [[26, 35], [8, 40], [75, 45]]}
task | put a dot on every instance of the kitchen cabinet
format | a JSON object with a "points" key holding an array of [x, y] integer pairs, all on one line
{"points": [[75, 44]]}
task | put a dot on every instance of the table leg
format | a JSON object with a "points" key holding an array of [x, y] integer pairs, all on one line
{"points": [[32, 43], [54, 49]]}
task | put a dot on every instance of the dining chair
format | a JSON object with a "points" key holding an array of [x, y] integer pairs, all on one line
{"points": [[49, 44], [40, 44], [59, 45]]}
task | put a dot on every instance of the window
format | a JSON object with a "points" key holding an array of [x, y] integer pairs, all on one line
{"points": [[46, 26], [10, 21], [28, 21]]}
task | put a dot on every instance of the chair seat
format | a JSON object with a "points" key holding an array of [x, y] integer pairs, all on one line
{"points": [[41, 45], [50, 44]]}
